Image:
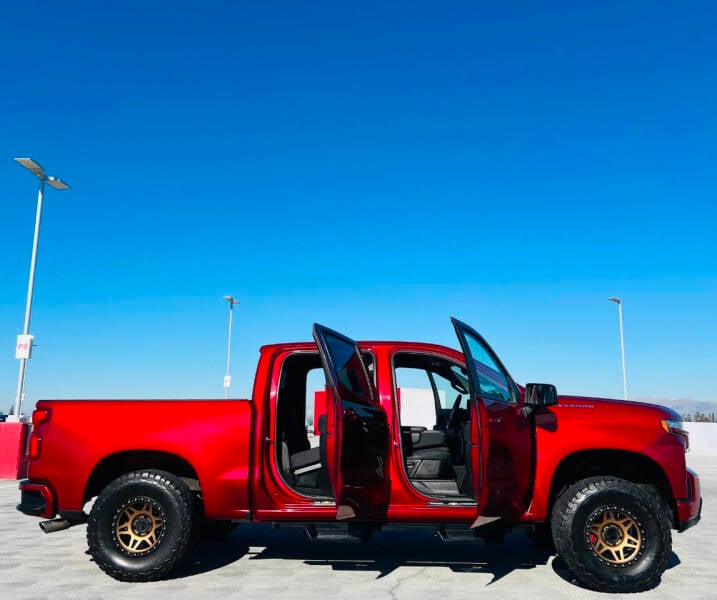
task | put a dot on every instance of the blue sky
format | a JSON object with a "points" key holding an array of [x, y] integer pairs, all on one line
{"points": [[377, 167]]}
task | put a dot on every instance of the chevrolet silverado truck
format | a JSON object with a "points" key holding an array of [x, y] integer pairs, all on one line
{"points": [[344, 438]]}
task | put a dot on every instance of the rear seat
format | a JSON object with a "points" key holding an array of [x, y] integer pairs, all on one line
{"points": [[426, 454], [305, 461]]}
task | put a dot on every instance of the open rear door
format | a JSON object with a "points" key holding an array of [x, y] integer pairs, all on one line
{"points": [[356, 430], [474, 347]]}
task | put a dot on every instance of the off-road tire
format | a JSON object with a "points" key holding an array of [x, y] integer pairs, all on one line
{"points": [[613, 535], [140, 526]]}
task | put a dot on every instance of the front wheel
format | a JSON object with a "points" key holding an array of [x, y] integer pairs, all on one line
{"points": [[613, 535], [140, 525]]}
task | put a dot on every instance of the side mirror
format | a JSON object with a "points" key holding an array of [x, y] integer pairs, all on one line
{"points": [[540, 394]]}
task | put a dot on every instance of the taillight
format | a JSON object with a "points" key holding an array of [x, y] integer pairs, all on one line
{"points": [[40, 415], [34, 450]]}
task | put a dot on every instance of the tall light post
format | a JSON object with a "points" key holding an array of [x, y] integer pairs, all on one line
{"points": [[24, 341], [618, 301], [228, 377]]}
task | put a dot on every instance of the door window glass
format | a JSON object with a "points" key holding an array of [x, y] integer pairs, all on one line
{"points": [[492, 381], [351, 380]]}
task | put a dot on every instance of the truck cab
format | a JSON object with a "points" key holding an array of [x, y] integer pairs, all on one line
{"points": [[413, 432]]}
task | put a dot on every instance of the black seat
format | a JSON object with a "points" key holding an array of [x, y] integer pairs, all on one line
{"points": [[436, 453], [302, 469], [426, 454], [306, 458]]}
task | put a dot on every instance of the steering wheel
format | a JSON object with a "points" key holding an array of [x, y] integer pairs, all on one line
{"points": [[453, 416]]}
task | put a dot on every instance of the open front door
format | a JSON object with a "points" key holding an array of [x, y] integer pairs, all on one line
{"points": [[356, 430], [481, 376]]}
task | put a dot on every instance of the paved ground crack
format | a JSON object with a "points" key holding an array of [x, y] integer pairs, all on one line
{"points": [[403, 580]]}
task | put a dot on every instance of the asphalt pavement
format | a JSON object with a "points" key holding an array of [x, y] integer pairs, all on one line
{"points": [[259, 562]]}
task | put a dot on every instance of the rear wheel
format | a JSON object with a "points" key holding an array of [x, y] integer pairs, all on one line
{"points": [[140, 525], [613, 535]]}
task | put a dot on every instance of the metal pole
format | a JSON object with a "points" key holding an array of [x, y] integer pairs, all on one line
{"points": [[28, 306], [622, 350], [229, 347]]}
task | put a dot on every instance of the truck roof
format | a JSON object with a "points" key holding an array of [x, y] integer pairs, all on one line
{"points": [[397, 345]]}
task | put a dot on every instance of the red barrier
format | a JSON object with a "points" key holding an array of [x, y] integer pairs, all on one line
{"points": [[319, 408], [13, 446]]}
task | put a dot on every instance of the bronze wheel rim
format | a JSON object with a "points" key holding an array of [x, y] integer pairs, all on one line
{"points": [[615, 536], [139, 526]]}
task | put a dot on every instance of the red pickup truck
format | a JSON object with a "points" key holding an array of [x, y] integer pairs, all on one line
{"points": [[406, 433]]}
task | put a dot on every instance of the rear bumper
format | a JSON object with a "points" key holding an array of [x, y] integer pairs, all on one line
{"points": [[689, 510], [37, 499]]}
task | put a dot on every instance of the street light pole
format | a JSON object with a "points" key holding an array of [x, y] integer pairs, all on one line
{"points": [[618, 301], [228, 377], [58, 184]]}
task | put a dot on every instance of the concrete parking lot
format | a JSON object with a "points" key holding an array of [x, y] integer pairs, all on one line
{"points": [[260, 562]]}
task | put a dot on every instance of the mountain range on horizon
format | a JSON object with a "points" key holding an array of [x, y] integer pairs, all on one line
{"points": [[684, 406]]}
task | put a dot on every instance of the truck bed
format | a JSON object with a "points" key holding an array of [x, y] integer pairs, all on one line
{"points": [[207, 440]]}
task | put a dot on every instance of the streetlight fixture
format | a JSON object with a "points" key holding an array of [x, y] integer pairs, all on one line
{"points": [[618, 301], [24, 341], [228, 377]]}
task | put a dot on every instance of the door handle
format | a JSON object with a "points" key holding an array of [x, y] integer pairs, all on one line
{"points": [[495, 420]]}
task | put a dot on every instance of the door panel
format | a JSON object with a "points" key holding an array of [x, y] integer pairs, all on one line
{"points": [[510, 458], [476, 434], [357, 434], [510, 455]]}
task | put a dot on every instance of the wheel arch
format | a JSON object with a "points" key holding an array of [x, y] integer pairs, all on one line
{"points": [[115, 465], [624, 464]]}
